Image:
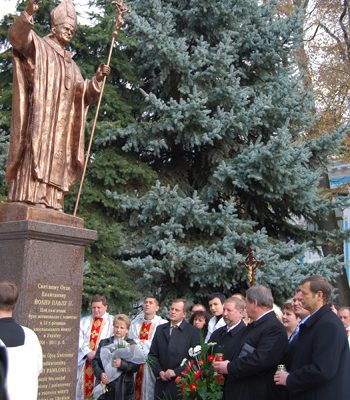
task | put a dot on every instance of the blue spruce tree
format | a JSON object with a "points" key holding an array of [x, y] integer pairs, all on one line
{"points": [[224, 123]]}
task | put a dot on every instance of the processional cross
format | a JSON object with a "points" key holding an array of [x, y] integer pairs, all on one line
{"points": [[251, 263]]}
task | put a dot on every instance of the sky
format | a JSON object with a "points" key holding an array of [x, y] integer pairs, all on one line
{"points": [[9, 7]]}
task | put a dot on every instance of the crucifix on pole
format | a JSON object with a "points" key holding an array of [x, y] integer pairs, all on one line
{"points": [[251, 263]]}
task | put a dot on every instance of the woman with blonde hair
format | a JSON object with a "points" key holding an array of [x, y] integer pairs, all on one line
{"points": [[119, 382]]}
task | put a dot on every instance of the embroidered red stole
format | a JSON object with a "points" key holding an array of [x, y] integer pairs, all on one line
{"points": [[88, 372], [145, 333]]}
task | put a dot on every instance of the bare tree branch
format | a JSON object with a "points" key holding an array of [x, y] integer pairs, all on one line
{"points": [[344, 30], [335, 37], [313, 36]]}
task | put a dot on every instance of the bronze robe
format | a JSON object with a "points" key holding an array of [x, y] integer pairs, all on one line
{"points": [[49, 105]]}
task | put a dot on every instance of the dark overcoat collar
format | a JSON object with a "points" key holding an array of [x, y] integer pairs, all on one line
{"points": [[267, 316]]}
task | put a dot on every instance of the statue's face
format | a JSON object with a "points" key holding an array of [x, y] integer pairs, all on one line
{"points": [[63, 33]]}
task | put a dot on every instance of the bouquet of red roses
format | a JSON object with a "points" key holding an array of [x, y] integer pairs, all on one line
{"points": [[198, 380]]}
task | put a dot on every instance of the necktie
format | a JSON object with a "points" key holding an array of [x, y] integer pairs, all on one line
{"points": [[172, 327]]}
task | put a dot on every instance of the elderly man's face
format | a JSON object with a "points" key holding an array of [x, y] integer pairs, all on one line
{"points": [[63, 33], [344, 315]]}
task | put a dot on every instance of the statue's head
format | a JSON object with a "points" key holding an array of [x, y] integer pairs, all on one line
{"points": [[64, 21]]}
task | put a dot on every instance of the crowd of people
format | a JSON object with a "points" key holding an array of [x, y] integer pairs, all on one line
{"points": [[307, 335], [140, 359]]}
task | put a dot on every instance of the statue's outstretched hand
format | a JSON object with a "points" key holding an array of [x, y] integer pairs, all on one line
{"points": [[102, 71], [32, 7]]}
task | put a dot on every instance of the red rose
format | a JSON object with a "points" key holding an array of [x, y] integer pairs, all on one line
{"points": [[183, 385], [193, 387], [220, 378], [211, 358], [197, 375], [200, 362]]}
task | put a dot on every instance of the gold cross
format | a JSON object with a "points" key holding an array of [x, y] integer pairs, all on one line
{"points": [[251, 263]]}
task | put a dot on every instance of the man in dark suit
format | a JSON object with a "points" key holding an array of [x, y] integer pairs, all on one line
{"points": [[169, 347], [319, 359], [262, 347], [227, 338]]}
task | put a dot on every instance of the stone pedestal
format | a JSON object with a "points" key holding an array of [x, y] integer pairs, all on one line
{"points": [[46, 261]]}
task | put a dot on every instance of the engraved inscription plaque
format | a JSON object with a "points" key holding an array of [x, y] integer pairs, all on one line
{"points": [[46, 262], [52, 316]]}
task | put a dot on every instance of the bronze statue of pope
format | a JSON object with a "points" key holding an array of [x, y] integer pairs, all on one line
{"points": [[49, 106]]}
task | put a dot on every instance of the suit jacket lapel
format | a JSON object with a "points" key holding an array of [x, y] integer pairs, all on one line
{"points": [[267, 316], [182, 325], [166, 331]]}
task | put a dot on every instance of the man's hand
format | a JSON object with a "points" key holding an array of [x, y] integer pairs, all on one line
{"points": [[162, 376], [32, 7], [102, 71], [221, 366], [280, 378], [91, 355], [104, 378], [169, 373]]}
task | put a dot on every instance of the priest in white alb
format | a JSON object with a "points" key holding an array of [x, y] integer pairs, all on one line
{"points": [[93, 328], [142, 330]]}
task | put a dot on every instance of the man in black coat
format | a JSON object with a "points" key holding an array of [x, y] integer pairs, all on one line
{"points": [[169, 347], [319, 357], [227, 338], [262, 347]]}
